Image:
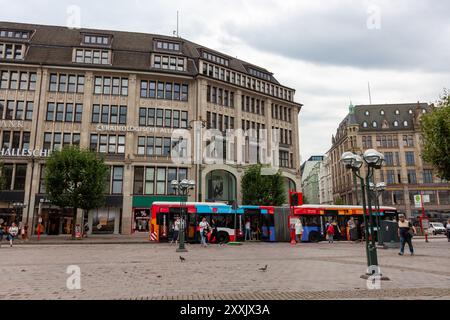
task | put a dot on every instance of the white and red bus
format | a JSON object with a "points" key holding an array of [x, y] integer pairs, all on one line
{"points": [[315, 217], [229, 222]]}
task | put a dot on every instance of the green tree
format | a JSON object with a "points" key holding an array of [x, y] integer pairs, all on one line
{"points": [[436, 136], [262, 190], [75, 179]]}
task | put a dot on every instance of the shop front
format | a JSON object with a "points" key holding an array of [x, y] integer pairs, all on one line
{"points": [[142, 211], [11, 207]]}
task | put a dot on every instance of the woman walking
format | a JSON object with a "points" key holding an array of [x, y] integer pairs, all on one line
{"points": [[330, 233], [406, 231]]}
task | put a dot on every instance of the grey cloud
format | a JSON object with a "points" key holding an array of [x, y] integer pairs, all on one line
{"points": [[413, 35]]}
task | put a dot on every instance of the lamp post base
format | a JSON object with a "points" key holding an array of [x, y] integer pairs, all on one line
{"points": [[368, 276]]}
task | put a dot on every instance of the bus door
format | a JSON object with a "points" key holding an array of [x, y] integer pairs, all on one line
{"points": [[254, 216], [268, 224], [162, 222]]}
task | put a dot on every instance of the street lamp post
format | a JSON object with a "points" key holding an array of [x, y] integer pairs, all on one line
{"points": [[183, 188], [377, 191], [374, 160]]}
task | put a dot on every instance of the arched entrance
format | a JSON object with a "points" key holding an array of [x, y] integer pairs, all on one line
{"points": [[220, 186], [289, 184]]}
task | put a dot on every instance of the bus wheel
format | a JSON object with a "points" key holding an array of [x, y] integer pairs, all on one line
{"points": [[314, 237], [223, 237]]}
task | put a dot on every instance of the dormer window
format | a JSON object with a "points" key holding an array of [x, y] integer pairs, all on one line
{"points": [[382, 112], [365, 124], [397, 112], [12, 34], [11, 51], [167, 45], [374, 124], [214, 58], [405, 123], [367, 113], [259, 74], [396, 123], [169, 62], [410, 111], [90, 56], [96, 40]]}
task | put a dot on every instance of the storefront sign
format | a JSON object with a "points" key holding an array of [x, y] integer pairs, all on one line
{"points": [[124, 129], [11, 124], [24, 153]]}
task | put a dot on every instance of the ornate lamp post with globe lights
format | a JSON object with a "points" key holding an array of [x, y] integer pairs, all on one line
{"points": [[182, 187], [374, 160]]}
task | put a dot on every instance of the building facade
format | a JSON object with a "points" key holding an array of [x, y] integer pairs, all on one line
{"points": [[394, 130], [124, 95], [310, 179], [325, 182]]}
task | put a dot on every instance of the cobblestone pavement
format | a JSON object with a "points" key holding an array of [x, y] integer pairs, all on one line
{"points": [[154, 271]]}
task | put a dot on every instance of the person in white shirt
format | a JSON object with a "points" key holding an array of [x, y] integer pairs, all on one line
{"points": [[176, 230], [298, 231], [248, 230], [204, 229], [13, 231]]}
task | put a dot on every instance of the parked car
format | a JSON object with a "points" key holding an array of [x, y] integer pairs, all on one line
{"points": [[436, 228]]}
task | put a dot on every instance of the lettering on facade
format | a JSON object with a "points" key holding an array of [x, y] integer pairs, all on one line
{"points": [[24, 153], [107, 128], [11, 124]]}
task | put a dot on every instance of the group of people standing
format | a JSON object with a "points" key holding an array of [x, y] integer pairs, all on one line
{"points": [[203, 228], [10, 232]]}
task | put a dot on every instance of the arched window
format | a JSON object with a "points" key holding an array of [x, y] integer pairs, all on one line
{"points": [[397, 112], [396, 123], [221, 186], [382, 112], [365, 125], [410, 111], [367, 113], [405, 123], [374, 124]]}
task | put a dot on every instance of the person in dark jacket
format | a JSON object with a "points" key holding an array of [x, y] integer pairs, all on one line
{"points": [[406, 231]]}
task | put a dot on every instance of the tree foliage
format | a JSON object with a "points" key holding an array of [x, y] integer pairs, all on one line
{"points": [[262, 190], [75, 179], [436, 136]]}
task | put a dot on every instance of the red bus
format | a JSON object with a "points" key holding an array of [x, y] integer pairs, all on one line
{"points": [[315, 218], [228, 221]]}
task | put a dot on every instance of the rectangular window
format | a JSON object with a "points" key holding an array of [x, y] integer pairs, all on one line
{"points": [[117, 182], [20, 176], [176, 119], [161, 181], [50, 115], [106, 86], [114, 115], [115, 86], [72, 87], [168, 119], [62, 83], [152, 90], [59, 112], [28, 112], [176, 91], [67, 139], [184, 92], [57, 141], [26, 140], [412, 179], [141, 146], [96, 113], [150, 146], [80, 84], [4, 79], [76, 139], [98, 85], [144, 89], [69, 112], [78, 113], [159, 117], [149, 181], [138, 187], [427, 176], [184, 119], [105, 114], [93, 143], [142, 117], [23, 81], [20, 108], [168, 91], [158, 146], [151, 117], [15, 140], [410, 161], [160, 90], [13, 82]]}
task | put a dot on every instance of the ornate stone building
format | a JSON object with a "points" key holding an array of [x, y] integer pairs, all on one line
{"points": [[123, 94]]}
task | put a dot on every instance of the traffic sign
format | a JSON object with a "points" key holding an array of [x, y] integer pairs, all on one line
{"points": [[418, 201]]}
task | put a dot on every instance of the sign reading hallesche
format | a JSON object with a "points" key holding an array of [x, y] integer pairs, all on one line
{"points": [[24, 153]]}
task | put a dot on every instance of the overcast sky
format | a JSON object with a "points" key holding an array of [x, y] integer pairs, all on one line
{"points": [[327, 50]]}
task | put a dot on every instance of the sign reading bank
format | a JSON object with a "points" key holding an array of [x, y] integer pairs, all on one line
{"points": [[24, 153]]}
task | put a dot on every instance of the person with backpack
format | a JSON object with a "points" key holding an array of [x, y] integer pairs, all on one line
{"points": [[204, 230], [13, 231], [330, 233], [406, 231]]}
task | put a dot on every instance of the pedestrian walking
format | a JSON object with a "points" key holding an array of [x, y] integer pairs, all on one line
{"points": [[12, 233], [204, 230], [248, 230], [213, 231], [406, 231], [330, 233], [298, 231], [351, 236], [176, 230], [448, 230]]}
